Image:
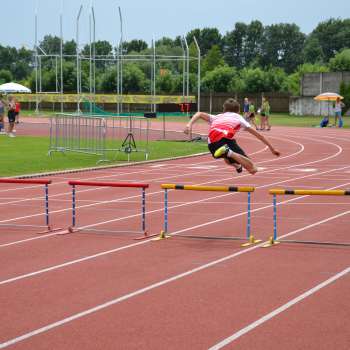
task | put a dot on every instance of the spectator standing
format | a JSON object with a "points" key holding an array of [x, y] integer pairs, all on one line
{"points": [[251, 115], [265, 115], [246, 108], [337, 109], [2, 118], [11, 114], [17, 110]]}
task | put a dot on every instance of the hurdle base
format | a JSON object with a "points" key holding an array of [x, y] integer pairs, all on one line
{"points": [[271, 242], [251, 241], [49, 230], [161, 236], [146, 235]]}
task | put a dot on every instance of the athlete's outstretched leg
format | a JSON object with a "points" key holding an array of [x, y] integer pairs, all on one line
{"points": [[225, 151]]}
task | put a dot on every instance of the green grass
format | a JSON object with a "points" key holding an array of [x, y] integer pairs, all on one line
{"points": [[28, 155], [276, 119], [302, 121]]}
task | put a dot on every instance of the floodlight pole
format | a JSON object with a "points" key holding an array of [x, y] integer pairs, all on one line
{"points": [[90, 62], [198, 75], [153, 109], [94, 52], [61, 55], [77, 58], [183, 69], [187, 70], [36, 60], [120, 62]]}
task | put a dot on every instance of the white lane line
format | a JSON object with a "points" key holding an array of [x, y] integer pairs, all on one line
{"points": [[279, 310], [149, 287], [157, 192], [305, 170], [275, 159], [103, 188], [189, 203], [90, 257]]}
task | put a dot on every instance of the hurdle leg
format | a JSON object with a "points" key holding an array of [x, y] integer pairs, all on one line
{"points": [[273, 239], [163, 233], [71, 228], [143, 226], [250, 237], [47, 206]]}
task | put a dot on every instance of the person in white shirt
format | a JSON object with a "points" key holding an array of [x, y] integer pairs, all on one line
{"points": [[221, 136]]}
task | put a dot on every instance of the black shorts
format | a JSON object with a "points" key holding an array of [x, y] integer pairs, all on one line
{"points": [[12, 116], [232, 144]]}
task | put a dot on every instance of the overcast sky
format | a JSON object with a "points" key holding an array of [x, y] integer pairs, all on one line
{"points": [[156, 18]]}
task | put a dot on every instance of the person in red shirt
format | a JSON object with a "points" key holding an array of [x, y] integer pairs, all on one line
{"points": [[17, 110], [221, 136]]}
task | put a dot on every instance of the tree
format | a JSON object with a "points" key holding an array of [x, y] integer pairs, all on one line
{"points": [[102, 47], [275, 80], [345, 92], [341, 61], [165, 41], [252, 42], [333, 35], [254, 80], [213, 59], [219, 79], [165, 83], [242, 46], [282, 46], [206, 37], [312, 52], [50, 44], [5, 76], [134, 80], [232, 45], [70, 47], [134, 45]]}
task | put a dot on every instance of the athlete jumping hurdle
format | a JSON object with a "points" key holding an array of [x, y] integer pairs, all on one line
{"points": [[221, 136]]}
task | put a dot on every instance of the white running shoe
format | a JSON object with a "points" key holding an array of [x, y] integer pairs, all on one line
{"points": [[11, 135], [3, 132]]}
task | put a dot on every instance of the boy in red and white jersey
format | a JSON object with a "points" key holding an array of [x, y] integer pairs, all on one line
{"points": [[221, 136]]}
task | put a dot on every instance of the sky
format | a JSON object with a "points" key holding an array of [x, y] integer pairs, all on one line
{"points": [[155, 18]]}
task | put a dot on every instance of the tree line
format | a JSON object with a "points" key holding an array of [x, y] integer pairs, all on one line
{"points": [[250, 58]]}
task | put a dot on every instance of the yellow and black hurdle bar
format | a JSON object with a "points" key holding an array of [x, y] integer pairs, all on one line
{"points": [[300, 192], [246, 189]]}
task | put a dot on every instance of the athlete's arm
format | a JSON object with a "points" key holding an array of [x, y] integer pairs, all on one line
{"points": [[264, 140], [196, 116]]}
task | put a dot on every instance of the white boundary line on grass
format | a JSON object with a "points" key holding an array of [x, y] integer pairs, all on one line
{"points": [[151, 287], [279, 310]]}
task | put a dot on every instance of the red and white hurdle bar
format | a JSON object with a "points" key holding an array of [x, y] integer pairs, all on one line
{"points": [[46, 184], [143, 188]]}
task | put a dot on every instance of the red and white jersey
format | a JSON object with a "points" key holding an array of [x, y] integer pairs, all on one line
{"points": [[225, 125]]}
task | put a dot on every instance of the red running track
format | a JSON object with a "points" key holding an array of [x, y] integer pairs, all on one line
{"points": [[89, 291]]}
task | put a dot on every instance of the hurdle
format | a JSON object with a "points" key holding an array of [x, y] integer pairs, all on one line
{"points": [[249, 237], [273, 240], [46, 184], [74, 228]]}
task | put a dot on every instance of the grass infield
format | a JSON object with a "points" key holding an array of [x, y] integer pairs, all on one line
{"points": [[28, 155], [275, 119]]}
